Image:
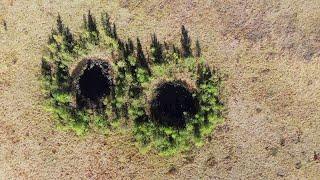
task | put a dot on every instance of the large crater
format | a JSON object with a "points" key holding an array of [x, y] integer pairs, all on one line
{"points": [[173, 105], [92, 82]]}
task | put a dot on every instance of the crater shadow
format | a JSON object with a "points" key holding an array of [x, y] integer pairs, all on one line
{"points": [[173, 105], [93, 82]]}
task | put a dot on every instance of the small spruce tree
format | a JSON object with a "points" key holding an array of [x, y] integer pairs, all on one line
{"points": [[140, 55], [166, 45], [62, 75], [114, 34], [198, 48], [122, 48], [185, 43], [156, 49], [68, 39], [60, 25], [204, 74], [85, 22], [62, 70], [51, 39], [46, 69], [92, 25], [126, 50], [142, 61], [176, 50], [131, 46], [106, 24], [64, 31]]}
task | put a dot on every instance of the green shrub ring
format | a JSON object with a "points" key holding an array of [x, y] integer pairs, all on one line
{"points": [[134, 81], [204, 85]]}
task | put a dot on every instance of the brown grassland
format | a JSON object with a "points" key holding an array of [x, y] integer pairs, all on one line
{"points": [[269, 51]]}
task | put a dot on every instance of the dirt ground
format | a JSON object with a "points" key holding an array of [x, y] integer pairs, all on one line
{"points": [[269, 51]]}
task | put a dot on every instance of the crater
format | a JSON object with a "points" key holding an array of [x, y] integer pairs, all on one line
{"points": [[173, 105], [93, 82]]}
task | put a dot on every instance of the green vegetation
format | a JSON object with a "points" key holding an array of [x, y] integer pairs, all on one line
{"points": [[136, 78], [170, 140]]}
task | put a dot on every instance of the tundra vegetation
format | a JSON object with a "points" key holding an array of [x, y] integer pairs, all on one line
{"points": [[168, 97]]}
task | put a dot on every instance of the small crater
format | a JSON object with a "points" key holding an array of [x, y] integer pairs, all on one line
{"points": [[298, 165], [212, 162], [172, 170], [316, 156]]}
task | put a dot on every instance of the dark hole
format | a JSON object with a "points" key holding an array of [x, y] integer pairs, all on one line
{"points": [[94, 84], [173, 105]]}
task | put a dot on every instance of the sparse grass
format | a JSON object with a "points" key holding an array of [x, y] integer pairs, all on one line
{"points": [[284, 87]]}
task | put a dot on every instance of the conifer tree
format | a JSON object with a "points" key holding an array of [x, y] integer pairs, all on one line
{"points": [[127, 49], [142, 61], [106, 24], [64, 31], [67, 44], [122, 48], [198, 48], [92, 25], [51, 39], [204, 73], [131, 46], [60, 25], [62, 75], [55, 32], [166, 45], [156, 49], [114, 34], [82, 42], [85, 22], [46, 68], [68, 39], [131, 66], [176, 50], [140, 55], [185, 43]]}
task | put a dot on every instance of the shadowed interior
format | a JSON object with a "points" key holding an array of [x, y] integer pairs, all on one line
{"points": [[94, 84], [173, 104]]}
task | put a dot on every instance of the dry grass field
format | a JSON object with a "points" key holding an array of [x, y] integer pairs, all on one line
{"points": [[268, 50]]}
